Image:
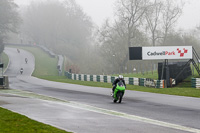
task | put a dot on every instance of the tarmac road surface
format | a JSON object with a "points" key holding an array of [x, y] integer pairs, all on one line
{"points": [[84, 109]]}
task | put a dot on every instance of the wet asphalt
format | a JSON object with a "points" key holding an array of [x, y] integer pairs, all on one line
{"points": [[85, 109]]}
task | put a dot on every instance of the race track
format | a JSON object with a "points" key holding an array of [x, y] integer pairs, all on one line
{"points": [[84, 109]]}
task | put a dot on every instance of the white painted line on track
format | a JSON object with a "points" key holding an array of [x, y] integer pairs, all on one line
{"points": [[102, 111], [132, 117]]}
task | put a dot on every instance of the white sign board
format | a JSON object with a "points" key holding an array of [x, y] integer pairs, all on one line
{"points": [[167, 52]]}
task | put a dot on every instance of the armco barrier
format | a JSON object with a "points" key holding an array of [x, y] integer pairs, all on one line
{"points": [[95, 78], [142, 81], [110, 79], [126, 80], [91, 77], [79, 77], [101, 78], [98, 78], [195, 83], [105, 79], [159, 83], [88, 78], [85, 77], [135, 81], [82, 77], [131, 81]]}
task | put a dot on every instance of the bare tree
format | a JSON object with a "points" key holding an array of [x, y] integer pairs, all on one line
{"points": [[9, 20], [126, 29], [161, 17], [153, 16], [170, 13], [130, 13]]}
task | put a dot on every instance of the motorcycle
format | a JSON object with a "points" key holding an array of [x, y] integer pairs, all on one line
{"points": [[119, 92]]}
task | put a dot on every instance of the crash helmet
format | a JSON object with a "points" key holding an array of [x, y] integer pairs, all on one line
{"points": [[120, 77]]}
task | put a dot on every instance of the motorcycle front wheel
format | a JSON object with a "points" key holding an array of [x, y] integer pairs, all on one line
{"points": [[120, 99], [120, 95], [114, 100]]}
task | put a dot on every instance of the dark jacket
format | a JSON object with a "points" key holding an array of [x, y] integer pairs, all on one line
{"points": [[117, 80]]}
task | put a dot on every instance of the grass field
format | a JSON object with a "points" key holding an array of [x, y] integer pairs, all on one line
{"points": [[11, 122], [151, 75]]}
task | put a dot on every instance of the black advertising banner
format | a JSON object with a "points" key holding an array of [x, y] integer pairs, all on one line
{"points": [[135, 53]]}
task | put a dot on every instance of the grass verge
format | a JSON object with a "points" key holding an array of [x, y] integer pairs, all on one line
{"points": [[183, 89], [11, 122], [151, 75]]}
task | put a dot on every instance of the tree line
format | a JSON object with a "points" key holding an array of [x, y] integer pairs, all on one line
{"points": [[64, 28], [9, 20]]}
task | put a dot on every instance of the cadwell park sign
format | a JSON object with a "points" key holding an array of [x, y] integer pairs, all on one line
{"points": [[163, 52], [173, 72]]}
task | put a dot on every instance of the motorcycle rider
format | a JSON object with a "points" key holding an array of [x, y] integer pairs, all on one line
{"points": [[26, 60], [120, 78], [18, 50], [21, 70]]}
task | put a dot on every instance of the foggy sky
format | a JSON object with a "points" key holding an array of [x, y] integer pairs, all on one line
{"points": [[99, 10]]}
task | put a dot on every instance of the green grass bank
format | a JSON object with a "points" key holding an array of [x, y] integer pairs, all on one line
{"points": [[11, 122]]}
